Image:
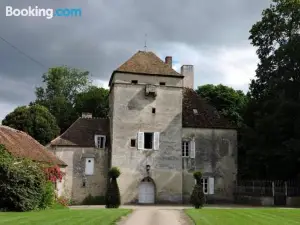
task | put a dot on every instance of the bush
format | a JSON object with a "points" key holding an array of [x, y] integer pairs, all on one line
{"points": [[197, 197], [114, 172], [62, 201], [94, 200], [113, 198], [21, 183], [48, 198]]}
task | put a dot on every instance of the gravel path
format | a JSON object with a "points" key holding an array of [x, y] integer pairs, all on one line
{"points": [[156, 216]]}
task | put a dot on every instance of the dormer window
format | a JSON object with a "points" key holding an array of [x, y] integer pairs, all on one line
{"points": [[100, 141], [134, 81], [162, 83]]}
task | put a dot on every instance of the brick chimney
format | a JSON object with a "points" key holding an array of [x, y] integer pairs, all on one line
{"points": [[168, 60], [86, 115]]}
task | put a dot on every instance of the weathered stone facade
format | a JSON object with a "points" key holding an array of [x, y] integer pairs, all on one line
{"points": [[133, 113], [76, 185], [150, 101], [216, 157]]}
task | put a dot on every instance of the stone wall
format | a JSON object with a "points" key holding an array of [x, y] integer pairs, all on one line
{"points": [[72, 185], [133, 114], [216, 156]]}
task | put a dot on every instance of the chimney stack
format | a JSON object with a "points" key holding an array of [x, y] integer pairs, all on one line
{"points": [[188, 72], [168, 60], [86, 115]]}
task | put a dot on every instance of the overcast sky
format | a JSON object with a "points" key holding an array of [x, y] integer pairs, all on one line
{"points": [[210, 34]]}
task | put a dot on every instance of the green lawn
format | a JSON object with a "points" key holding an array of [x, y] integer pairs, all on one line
{"points": [[64, 217], [258, 216]]}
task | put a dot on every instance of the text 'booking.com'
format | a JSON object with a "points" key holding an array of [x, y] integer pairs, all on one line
{"points": [[42, 12]]}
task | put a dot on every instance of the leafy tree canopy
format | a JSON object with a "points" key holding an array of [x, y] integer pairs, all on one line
{"points": [[273, 113], [35, 120], [94, 100], [61, 86], [229, 102]]}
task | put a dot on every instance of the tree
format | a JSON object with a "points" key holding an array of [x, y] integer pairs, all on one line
{"points": [[112, 198], [94, 100], [227, 101], [62, 84], [35, 120], [22, 185], [197, 197], [273, 113]]}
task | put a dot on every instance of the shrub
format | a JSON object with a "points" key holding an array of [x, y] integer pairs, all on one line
{"points": [[62, 201], [114, 172], [21, 183], [197, 197], [48, 198], [112, 198], [94, 200]]}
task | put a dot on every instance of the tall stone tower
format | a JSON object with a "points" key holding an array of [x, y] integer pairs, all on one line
{"points": [[146, 129]]}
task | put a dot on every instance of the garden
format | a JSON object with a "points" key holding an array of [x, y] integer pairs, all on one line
{"points": [[28, 195]]}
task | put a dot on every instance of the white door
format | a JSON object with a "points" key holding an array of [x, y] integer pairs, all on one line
{"points": [[146, 193]]}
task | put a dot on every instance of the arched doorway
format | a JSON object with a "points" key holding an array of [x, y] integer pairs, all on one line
{"points": [[147, 191]]}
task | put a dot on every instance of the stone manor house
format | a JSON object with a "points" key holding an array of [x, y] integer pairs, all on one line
{"points": [[158, 132]]}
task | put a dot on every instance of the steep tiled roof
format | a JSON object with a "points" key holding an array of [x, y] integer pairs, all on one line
{"points": [[205, 115], [147, 63], [81, 133], [22, 145]]}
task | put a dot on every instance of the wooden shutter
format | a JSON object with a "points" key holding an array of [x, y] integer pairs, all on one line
{"points": [[192, 149], [211, 185], [156, 141], [141, 140], [89, 166], [96, 140]]}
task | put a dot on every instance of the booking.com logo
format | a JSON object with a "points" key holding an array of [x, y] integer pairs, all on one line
{"points": [[42, 12]]}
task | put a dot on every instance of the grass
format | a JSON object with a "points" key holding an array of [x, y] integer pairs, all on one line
{"points": [[64, 216], [251, 216]]}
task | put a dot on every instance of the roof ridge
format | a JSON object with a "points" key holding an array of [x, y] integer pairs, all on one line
{"points": [[64, 131]]}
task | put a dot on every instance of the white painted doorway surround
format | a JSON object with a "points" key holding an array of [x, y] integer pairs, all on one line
{"points": [[146, 192]]}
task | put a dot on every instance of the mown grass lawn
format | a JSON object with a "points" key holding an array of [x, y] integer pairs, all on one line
{"points": [[64, 217], [258, 216]]}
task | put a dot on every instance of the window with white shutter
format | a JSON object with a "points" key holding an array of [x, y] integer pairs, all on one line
{"points": [[141, 140], [156, 140], [148, 140], [211, 182], [193, 149]]}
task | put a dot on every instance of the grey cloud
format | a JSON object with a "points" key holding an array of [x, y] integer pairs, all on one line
{"points": [[111, 31]]}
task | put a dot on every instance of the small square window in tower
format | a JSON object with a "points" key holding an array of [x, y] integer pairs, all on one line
{"points": [[134, 81], [132, 142], [154, 110], [162, 83]]}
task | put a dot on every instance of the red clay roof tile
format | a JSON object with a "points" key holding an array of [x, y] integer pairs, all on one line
{"points": [[22, 145]]}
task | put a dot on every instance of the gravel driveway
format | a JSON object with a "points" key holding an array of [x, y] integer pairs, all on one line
{"points": [[156, 216]]}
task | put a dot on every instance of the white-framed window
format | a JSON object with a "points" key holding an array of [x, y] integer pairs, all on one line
{"points": [[148, 140], [185, 148], [89, 166], [100, 141], [204, 182], [188, 149], [208, 184]]}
